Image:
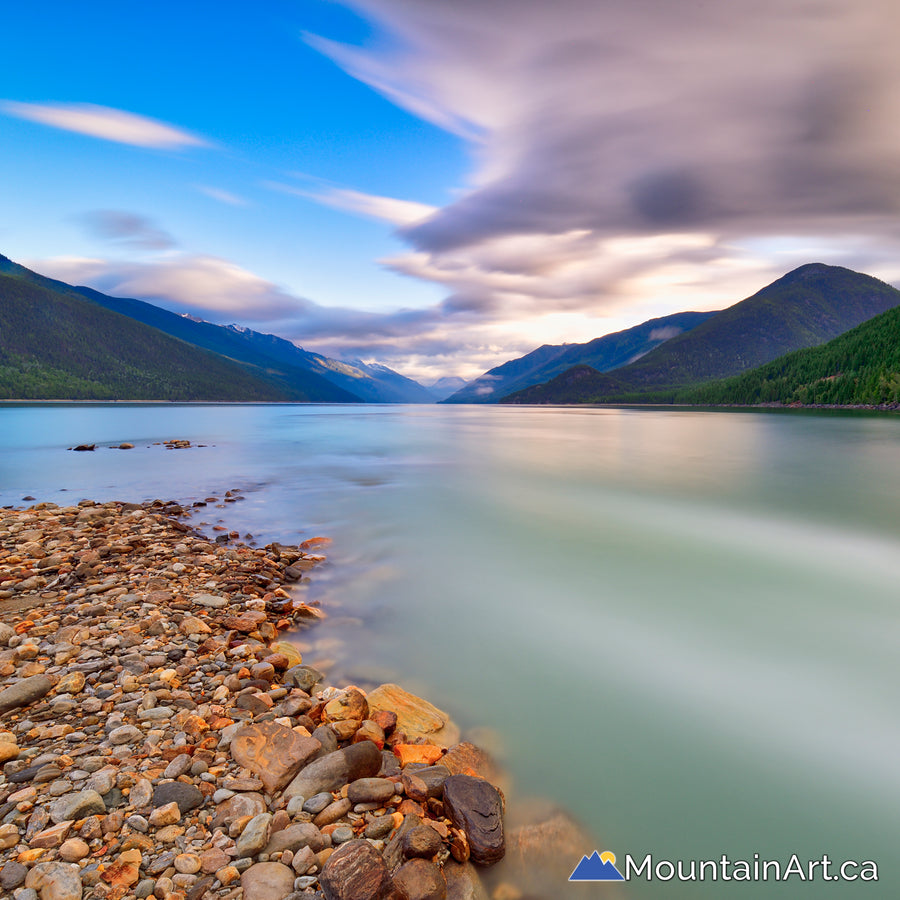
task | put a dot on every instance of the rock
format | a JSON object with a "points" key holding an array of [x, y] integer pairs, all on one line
{"points": [[187, 863], [267, 881], [141, 793], [303, 677], [74, 849], [467, 759], [426, 754], [351, 704], [12, 875], [295, 837], [317, 803], [178, 766], [332, 813], [24, 692], [213, 859], [274, 752], [55, 881], [304, 859], [420, 784], [238, 806], [370, 790], [167, 814], [332, 772], [185, 795], [50, 837], [380, 827], [355, 871], [125, 871], [421, 842], [8, 751], [416, 718], [475, 806], [254, 836], [125, 734], [419, 879], [72, 683], [464, 883], [77, 805]]}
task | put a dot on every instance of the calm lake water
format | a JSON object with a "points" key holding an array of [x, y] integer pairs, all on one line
{"points": [[683, 626]]}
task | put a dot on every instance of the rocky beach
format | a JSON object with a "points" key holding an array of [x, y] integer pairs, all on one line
{"points": [[160, 738]]}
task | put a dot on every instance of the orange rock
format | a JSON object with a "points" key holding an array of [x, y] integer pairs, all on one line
{"points": [[315, 542], [467, 759], [274, 752], [416, 717], [22, 627], [417, 753]]}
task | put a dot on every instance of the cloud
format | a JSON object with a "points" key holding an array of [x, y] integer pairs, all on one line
{"points": [[373, 206], [105, 123], [221, 195], [127, 228], [627, 153]]}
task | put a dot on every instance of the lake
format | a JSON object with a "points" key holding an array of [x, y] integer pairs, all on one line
{"points": [[683, 626]]}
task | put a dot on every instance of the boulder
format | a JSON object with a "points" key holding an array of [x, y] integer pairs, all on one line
{"points": [[476, 807], [333, 771], [274, 752], [416, 718], [355, 871]]}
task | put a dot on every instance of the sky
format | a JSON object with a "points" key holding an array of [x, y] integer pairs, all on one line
{"points": [[442, 185]]}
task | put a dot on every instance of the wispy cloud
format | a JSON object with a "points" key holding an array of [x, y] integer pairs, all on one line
{"points": [[223, 196], [105, 123], [373, 206], [127, 228]]}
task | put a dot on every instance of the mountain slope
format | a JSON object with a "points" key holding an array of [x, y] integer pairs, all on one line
{"points": [[445, 387], [603, 354], [861, 367], [58, 346], [288, 366], [806, 307]]}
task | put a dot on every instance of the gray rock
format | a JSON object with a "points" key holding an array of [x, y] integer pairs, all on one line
{"points": [[144, 888], [342, 834], [55, 881], [186, 796], [295, 837], [179, 766], [328, 739], [370, 790], [125, 734], [303, 677], [420, 784], [332, 772], [13, 874], [24, 692], [463, 882], [267, 881], [316, 804], [304, 859], [254, 836], [77, 805], [355, 871]]}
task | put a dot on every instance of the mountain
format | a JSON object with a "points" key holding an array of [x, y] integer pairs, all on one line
{"points": [[805, 308], [603, 354], [444, 387], [59, 346], [288, 367], [861, 367]]}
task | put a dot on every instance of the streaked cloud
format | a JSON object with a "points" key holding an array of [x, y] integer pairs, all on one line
{"points": [[105, 123], [127, 228], [373, 206], [630, 160], [223, 196]]}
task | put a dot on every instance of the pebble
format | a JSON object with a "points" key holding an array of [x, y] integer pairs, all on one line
{"points": [[164, 743]]}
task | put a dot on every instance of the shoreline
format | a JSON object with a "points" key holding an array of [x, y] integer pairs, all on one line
{"points": [[159, 739]]}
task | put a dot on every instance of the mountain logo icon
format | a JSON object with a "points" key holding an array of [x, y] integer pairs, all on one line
{"points": [[597, 867]]}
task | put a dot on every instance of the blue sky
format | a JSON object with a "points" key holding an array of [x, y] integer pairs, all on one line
{"points": [[444, 185]]}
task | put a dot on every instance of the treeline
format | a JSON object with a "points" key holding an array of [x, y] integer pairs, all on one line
{"points": [[861, 367]]}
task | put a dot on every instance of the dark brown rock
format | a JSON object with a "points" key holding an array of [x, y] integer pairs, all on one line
{"points": [[185, 795], [476, 807], [420, 880], [422, 842], [355, 871], [420, 784]]}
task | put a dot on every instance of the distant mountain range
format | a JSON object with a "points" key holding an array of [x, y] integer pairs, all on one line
{"points": [[807, 307], [256, 366], [602, 354]]}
